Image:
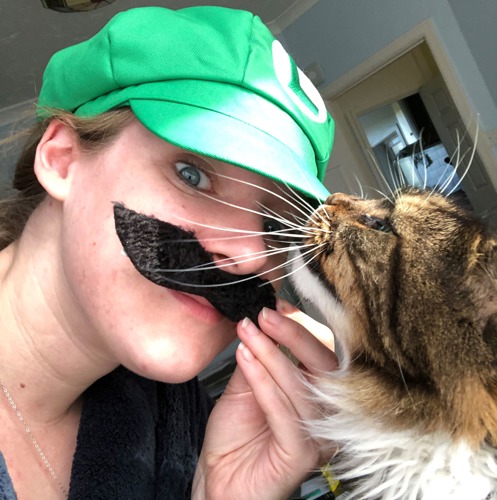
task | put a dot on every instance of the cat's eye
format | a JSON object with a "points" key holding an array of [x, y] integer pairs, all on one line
{"points": [[193, 175], [376, 223]]}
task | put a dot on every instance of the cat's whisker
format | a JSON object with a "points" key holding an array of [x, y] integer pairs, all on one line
{"points": [[404, 381], [276, 216], [280, 232], [241, 280], [210, 285], [317, 213], [286, 199], [456, 166], [428, 196], [296, 197], [310, 190], [234, 205], [229, 262], [303, 202], [246, 232], [257, 212], [393, 174], [441, 187], [461, 139], [398, 178], [361, 190], [413, 165], [302, 231], [437, 188], [300, 220], [382, 176], [293, 271], [312, 210], [423, 159], [473, 153], [447, 181], [457, 152], [289, 261], [313, 248], [383, 195]]}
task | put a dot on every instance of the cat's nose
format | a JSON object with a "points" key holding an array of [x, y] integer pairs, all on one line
{"points": [[340, 199]]}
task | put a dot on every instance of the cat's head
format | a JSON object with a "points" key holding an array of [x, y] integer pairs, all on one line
{"points": [[410, 289]]}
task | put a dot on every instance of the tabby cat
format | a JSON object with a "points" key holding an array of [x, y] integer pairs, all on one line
{"points": [[409, 288]]}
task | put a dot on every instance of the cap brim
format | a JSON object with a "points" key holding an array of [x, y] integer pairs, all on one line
{"points": [[244, 129]]}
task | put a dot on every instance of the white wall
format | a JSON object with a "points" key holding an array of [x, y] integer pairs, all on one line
{"points": [[477, 20], [379, 124]]}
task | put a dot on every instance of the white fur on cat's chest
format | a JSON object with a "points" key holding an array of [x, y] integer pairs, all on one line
{"points": [[404, 466], [395, 465]]}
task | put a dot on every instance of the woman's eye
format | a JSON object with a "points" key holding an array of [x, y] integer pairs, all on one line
{"points": [[193, 176], [271, 225], [274, 228]]}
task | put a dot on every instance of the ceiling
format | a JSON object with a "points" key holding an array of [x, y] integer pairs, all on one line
{"points": [[30, 34]]}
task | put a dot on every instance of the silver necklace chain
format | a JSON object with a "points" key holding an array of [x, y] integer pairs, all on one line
{"points": [[35, 443]]}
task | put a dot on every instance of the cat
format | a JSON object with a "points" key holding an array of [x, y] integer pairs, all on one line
{"points": [[409, 288]]}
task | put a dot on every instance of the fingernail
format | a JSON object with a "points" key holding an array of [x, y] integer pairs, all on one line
{"points": [[247, 355], [249, 327], [270, 316]]}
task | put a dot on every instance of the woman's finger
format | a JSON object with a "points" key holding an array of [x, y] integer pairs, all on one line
{"points": [[280, 411], [319, 330], [305, 346], [279, 390], [286, 376]]}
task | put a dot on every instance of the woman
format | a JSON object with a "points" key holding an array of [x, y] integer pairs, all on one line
{"points": [[159, 111]]}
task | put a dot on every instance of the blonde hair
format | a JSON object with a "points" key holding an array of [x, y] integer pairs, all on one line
{"points": [[93, 135]]}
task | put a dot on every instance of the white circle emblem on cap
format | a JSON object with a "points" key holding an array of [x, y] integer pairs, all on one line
{"points": [[283, 68]]}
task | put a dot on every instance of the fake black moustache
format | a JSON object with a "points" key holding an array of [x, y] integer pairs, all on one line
{"points": [[153, 245]]}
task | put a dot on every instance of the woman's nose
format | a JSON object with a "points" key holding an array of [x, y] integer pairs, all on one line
{"points": [[237, 245]]}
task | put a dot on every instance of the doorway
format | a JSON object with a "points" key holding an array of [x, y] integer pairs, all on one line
{"points": [[408, 149]]}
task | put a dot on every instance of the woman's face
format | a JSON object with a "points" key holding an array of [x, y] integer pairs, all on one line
{"points": [[152, 330]]}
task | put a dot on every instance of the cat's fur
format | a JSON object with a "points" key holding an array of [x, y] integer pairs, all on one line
{"points": [[409, 289]]}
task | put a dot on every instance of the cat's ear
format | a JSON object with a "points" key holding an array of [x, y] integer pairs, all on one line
{"points": [[460, 199]]}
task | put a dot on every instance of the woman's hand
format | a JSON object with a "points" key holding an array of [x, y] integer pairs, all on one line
{"points": [[255, 445]]}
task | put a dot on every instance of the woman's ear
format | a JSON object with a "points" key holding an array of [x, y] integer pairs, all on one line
{"points": [[55, 156]]}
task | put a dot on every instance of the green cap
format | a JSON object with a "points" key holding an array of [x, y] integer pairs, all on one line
{"points": [[210, 80]]}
